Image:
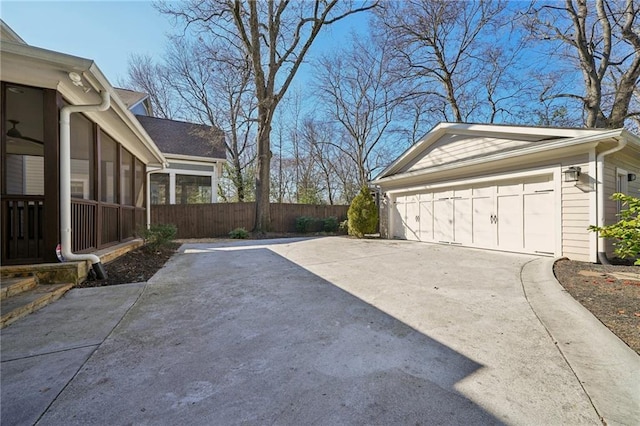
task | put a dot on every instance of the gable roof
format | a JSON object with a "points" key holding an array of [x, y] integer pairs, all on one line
{"points": [[182, 138], [433, 152], [130, 98]]}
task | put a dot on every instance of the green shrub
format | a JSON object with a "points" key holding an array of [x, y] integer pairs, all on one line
{"points": [[239, 234], [362, 214], [159, 235], [305, 224], [330, 224], [627, 231]]}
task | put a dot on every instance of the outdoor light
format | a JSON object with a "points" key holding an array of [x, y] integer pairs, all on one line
{"points": [[572, 174], [631, 177]]}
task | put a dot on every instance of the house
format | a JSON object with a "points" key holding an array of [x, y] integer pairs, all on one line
{"points": [[195, 153], [75, 159], [513, 188]]}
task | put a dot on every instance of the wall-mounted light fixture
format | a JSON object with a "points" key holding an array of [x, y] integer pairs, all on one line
{"points": [[572, 174], [631, 177]]}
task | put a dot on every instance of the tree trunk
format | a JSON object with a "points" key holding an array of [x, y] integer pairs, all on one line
{"points": [[263, 211]]}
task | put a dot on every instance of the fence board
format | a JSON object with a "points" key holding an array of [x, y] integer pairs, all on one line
{"points": [[216, 220]]}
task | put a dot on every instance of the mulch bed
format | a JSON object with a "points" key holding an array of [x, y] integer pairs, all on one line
{"points": [[135, 266], [614, 301]]}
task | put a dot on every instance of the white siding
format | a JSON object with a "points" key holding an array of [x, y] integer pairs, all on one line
{"points": [[575, 210], [451, 148]]}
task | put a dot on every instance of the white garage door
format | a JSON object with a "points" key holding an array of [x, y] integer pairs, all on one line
{"points": [[511, 215]]}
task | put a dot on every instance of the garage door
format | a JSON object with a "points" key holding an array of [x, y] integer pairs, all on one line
{"points": [[511, 215]]}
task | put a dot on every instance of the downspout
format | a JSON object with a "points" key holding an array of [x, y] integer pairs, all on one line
{"points": [[65, 182], [602, 254]]}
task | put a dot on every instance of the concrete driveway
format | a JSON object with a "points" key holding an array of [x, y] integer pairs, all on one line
{"points": [[313, 331]]}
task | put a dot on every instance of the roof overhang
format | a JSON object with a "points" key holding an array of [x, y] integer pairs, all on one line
{"points": [[193, 158], [33, 66], [526, 133]]}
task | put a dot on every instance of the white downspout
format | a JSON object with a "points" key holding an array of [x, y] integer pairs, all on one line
{"points": [[602, 254], [65, 181]]}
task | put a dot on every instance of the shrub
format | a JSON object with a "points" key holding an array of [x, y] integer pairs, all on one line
{"points": [[627, 230], [159, 235], [362, 214], [330, 224], [304, 224], [239, 234]]}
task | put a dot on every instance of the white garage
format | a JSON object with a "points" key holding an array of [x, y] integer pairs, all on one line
{"points": [[504, 188]]}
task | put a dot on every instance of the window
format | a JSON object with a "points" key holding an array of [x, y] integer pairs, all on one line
{"points": [[108, 168], [159, 188], [193, 189], [621, 186], [82, 158]]}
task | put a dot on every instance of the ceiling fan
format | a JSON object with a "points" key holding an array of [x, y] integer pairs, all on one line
{"points": [[13, 132]]}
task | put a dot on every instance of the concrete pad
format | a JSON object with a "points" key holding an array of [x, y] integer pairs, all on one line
{"points": [[29, 385], [608, 369], [323, 331], [42, 352], [83, 317]]}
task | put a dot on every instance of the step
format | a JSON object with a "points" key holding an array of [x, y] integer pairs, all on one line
{"points": [[16, 307], [16, 285]]}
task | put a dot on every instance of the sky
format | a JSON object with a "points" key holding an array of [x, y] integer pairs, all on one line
{"points": [[106, 31]]}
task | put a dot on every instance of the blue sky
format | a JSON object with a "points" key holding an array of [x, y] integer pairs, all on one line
{"points": [[107, 31]]}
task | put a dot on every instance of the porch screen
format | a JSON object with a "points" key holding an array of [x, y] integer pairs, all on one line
{"points": [[108, 169], [82, 158], [126, 178], [193, 189]]}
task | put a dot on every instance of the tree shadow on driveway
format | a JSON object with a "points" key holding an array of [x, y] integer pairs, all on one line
{"points": [[248, 337]]}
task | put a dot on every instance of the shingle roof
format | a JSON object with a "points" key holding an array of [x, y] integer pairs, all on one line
{"points": [[179, 137]]}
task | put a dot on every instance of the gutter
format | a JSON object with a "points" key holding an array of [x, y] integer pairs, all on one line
{"points": [[65, 182], [602, 254]]}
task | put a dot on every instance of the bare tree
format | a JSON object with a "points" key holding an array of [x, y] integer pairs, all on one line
{"points": [[602, 38], [359, 93], [216, 87], [276, 35], [146, 76], [440, 47]]}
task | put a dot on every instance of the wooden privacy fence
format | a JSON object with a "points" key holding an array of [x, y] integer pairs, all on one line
{"points": [[216, 220]]}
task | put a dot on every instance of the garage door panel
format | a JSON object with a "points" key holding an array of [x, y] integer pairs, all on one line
{"points": [[412, 218], [443, 220], [539, 230], [509, 222], [462, 224], [426, 219], [484, 231]]}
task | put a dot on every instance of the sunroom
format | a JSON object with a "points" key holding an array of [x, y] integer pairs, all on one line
{"points": [[106, 168]]}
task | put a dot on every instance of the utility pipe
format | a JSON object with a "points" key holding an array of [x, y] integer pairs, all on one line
{"points": [[602, 253], [65, 182]]}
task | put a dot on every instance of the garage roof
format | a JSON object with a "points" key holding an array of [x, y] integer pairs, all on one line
{"points": [[522, 140]]}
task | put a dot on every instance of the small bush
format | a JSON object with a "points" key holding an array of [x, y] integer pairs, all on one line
{"points": [[627, 231], [362, 214], [160, 235], [330, 224], [304, 224], [239, 234]]}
